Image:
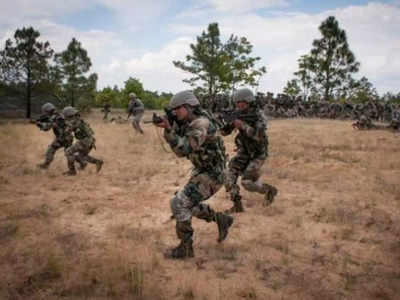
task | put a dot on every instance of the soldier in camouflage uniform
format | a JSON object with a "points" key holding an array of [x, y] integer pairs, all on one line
{"points": [[252, 151], [135, 108], [395, 122], [364, 123], [106, 110], [85, 141], [51, 119], [194, 135]]}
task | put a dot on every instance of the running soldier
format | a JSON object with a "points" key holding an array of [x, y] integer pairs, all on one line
{"points": [[252, 151], [106, 110], [135, 108], [84, 144], [192, 133], [51, 119]]}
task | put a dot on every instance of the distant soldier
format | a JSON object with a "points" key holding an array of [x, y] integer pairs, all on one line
{"points": [[135, 108], [84, 144], [106, 110], [364, 123], [193, 134], [252, 151], [395, 122], [51, 119]]}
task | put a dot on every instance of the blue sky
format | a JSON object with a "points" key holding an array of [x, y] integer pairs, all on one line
{"points": [[141, 38]]}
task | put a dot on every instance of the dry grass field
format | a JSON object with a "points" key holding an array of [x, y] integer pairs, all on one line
{"points": [[332, 233]]}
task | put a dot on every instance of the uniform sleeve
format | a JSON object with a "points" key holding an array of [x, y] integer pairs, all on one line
{"points": [[46, 126], [254, 132], [191, 141]]}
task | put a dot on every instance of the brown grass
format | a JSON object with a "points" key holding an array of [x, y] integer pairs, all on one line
{"points": [[333, 232]]}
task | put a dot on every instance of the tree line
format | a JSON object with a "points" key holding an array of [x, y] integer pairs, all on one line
{"points": [[216, 67]]}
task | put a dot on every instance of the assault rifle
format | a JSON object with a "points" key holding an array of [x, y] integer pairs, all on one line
{"points": [[156, 119], [228, 116], [40, 120]]}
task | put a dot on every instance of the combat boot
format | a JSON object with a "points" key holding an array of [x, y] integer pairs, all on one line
{"points": [[182, 251], [70, 173], [99, 165], [82, 165], [237, 205], [224, 222], [43, 166], [270, 194]]}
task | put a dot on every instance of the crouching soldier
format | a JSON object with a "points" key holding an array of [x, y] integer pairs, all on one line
{"points": [[192, 134], [51, 119], [252, 151], [85, 141]]}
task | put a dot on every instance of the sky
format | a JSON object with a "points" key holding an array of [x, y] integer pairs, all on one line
{"points": [[141, 39]]}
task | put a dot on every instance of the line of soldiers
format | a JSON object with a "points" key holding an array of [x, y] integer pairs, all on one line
{"points": [[66, 127], [192, 133]]}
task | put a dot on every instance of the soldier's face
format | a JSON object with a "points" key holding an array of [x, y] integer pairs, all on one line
{"points": [[241, 105], [181, 112]]}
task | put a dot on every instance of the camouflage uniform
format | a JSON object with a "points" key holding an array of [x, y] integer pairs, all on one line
{"points": [[106, 110], [84, 144], [364, 122], [136, 108], [252, 151], [196, 139], [63, 139], [395, 122]]}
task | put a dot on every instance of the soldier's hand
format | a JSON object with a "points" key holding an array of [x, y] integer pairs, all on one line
{"points": [[164, 124]]}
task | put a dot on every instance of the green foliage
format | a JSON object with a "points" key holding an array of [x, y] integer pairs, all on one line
{"points": [[219, 67], [329, 66], [120, 98], [24, 61], [292, 88], [70, 68]]}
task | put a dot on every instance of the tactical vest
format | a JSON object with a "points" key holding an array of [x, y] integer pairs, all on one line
{"points": [[83, 131], [250, 146], [211, 157]]}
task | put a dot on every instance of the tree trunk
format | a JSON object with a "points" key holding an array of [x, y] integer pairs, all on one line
{"points": [[28, 94]]}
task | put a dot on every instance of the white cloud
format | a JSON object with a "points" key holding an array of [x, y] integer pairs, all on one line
{"points": [[241, 6], [280, 40], [154, 69]]}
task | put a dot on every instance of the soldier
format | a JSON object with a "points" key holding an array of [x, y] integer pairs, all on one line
{"points": [[193, 134], [135, 108], [106, 109], [51, 119], [84, 144], [252, 151], [364, 122], [395, 122]]}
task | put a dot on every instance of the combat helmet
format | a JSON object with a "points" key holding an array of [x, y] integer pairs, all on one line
{"points": [[69, 111], [245, 95], [184, 97], [132, 95], [48, 108]]}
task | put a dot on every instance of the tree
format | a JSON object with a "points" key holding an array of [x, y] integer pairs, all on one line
{"points": [[292, 88], [205, 62], [73, 64], [304, 76], [330, 63], [25, 62], [219, 67], [359, 90], [239, 67]]}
